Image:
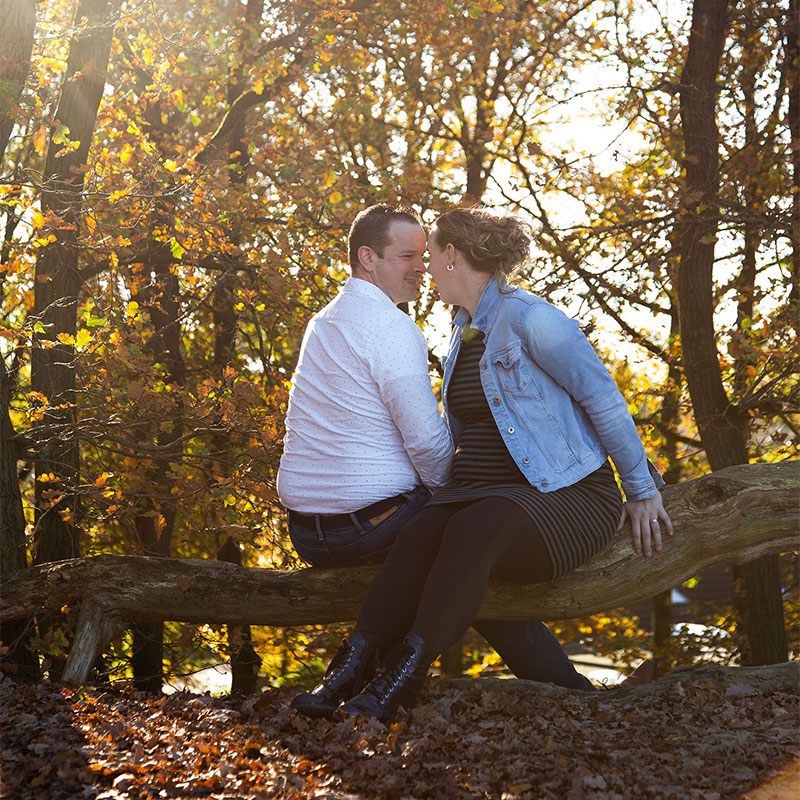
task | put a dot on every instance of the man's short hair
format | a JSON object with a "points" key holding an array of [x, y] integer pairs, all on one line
{"points": [[371, 227]]}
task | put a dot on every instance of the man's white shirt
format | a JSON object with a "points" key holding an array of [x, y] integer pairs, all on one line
{"points": [[362, 423]]}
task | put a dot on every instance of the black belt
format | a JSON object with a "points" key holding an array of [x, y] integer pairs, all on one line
{"points": [[334, 521]]}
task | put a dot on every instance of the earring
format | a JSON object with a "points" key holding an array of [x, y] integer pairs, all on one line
{"points": [[451, 267]]}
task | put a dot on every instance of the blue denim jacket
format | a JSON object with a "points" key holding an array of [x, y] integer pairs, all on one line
{"points": [[558, 410]]}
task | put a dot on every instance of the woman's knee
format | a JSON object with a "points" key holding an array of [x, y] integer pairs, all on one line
{"points": [[421, 534], [488, 528], [471, 534]]}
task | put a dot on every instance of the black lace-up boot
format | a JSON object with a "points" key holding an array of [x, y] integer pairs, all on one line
{"points": [[397, 683], [352, 666]]}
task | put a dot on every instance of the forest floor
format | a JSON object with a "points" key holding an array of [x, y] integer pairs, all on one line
{"points": [[708, 733]]}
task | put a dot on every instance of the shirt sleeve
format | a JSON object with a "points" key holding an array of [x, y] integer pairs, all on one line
{"points": [[559, 347], [400, 370]]}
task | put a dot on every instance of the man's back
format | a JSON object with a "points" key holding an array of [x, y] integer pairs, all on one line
{"points": [[362, 423]]}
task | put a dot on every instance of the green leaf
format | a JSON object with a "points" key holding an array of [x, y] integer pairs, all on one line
{"points": [[61, 134], [176, 248]]}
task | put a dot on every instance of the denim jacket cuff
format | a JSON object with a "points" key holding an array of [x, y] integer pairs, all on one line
{"points": [[639, 493], [657, 477]]}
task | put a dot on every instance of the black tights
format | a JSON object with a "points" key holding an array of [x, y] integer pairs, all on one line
{"points": [[433, 581]]}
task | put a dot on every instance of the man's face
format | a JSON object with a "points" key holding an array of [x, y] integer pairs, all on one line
{"points": [[399, 271]]}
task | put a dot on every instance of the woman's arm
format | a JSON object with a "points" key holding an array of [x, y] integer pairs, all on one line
{"points": [[558, 346]]}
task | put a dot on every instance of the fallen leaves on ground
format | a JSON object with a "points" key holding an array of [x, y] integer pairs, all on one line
{"points": [[687, 738]]}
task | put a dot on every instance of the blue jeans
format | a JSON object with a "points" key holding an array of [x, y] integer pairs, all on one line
{"points": [[529, 649], [358, 543]]}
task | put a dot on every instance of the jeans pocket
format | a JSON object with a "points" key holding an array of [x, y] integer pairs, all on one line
{"points": [[376, 541]]}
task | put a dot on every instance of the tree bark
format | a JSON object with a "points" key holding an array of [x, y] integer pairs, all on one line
{"points": [[154, 527], [17, 23], [734, 515], [20, 660], [778, 678], [722, 430], [244, 659], [662, 617], [57, 282], [792, 71]]}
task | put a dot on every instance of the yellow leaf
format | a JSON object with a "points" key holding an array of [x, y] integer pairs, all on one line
{"points": [[83, 338], [101, 479], [66, 338], [258, 86], [40, 139], [335, 198], [132, 308]]}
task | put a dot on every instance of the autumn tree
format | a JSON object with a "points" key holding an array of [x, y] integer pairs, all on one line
{"points": [[17, 21], [185, 238]]}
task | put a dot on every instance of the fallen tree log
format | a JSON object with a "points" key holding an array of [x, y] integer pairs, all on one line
{"points": [[740, 681], [731, 516]]}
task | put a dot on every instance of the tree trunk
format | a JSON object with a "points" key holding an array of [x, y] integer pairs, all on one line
{"points": [[721, 429], [792, 72], [244, 659], [779, 678], [57, 283], [155, 526], [20, 660], [662, 617], [452, 660], [734, 515], [662, 620], [17, 23]]}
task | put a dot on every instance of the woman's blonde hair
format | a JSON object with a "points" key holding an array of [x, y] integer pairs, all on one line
{"points": [[494, 242]]}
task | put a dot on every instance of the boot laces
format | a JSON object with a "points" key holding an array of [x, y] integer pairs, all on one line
{"points": [[345, 663], [391, 679]]}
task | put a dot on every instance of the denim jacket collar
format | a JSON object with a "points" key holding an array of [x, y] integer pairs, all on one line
{"points": [[485, 311]]}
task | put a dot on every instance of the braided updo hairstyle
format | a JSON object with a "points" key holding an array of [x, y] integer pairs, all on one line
{"points": [[494, 242]]}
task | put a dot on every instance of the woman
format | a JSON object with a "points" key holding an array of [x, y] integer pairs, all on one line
{"points": [[534, 416]]}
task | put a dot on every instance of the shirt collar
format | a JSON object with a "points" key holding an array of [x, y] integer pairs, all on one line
{"points": [[366, 289], [487, 305]]}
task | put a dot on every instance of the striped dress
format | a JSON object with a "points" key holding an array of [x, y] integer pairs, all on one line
{"points": [[575, 522]]}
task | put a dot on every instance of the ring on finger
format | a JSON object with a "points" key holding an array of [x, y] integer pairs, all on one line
{"points": [[654, 521]]}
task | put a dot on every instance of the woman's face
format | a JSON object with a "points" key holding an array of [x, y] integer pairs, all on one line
{"points": [[438, 260]]}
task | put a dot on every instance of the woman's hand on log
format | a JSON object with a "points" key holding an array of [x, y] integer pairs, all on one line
{"points": [[648, 519]]}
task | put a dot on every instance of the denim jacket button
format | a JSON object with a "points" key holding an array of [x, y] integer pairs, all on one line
{"points": [[511, 430], [526, 461], [483, 366], [496, 400], [544, 483]]}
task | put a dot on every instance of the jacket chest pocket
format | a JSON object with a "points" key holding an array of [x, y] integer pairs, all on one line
{"points": [[512, 369]]}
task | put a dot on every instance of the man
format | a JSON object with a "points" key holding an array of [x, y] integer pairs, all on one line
{"points": [[365, 443], [363, 433]]}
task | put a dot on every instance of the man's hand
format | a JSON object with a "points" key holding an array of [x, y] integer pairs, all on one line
{"points": [[647, 517]]}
